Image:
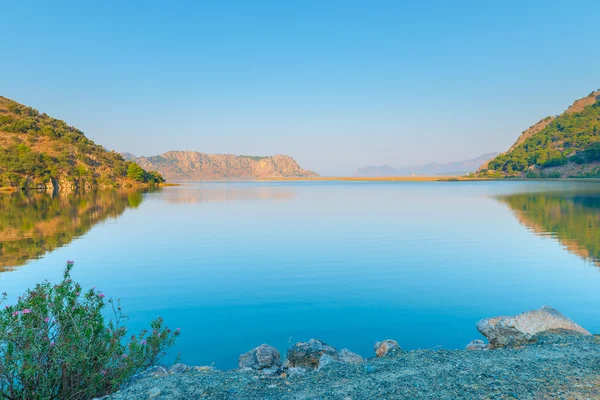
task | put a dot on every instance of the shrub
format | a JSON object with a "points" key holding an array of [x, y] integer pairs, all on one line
{"points": [[57, 343], [531, 175]]}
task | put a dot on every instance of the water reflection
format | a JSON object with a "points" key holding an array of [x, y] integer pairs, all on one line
{"points": [[211, 193], [572, 218], [34, 223]]}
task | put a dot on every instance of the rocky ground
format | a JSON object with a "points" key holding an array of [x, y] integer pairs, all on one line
{"points": [[553, 367]]}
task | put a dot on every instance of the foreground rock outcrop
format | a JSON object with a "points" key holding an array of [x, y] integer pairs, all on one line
{"points": [[555, 367], [521, 329], [316, 353], [387, 348], [555, 358], [263, 356]]}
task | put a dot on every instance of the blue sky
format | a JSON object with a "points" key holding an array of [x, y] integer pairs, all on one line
{"points": [[336, 84]]}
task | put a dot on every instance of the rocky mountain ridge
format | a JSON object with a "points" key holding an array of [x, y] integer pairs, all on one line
{"points": [[196, 165]]}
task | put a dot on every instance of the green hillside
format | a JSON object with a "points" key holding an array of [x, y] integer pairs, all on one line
{"points": [[565, 146], [37, 151]]}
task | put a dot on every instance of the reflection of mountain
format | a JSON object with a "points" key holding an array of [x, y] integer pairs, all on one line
{"points": [[35, 223], [572, 218], [183, 194]]}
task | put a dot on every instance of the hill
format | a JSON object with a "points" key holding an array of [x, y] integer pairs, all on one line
{"points": [[431, 169], [195, 165], [565, 146], [37, 151]]}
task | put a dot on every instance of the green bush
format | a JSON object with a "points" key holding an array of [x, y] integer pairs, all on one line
{"points": [[57, 343], [531, 175]]}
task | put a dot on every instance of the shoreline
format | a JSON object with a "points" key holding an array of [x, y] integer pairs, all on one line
{"points": [[536, 354], [426, 179], [555, 366]]}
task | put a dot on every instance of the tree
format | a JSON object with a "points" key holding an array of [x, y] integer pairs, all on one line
{"points": [[136, 172]]}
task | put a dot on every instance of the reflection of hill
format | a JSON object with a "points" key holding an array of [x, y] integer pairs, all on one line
{"points": [[32, 224], [574, 219], [184, 194]]}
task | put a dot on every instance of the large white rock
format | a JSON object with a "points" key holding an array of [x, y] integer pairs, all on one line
{"points": [[520, 329], [387, 348], [261, 357]]}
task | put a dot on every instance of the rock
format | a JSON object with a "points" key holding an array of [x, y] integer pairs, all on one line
{"points": [[326, 359], [261, 357], [295, 371], [518, 330], [348, 357], [477, 345], [204, 368], [155, 371], [388, 348], [179, 368], [270, 371], [307, 354], [154, 393]]}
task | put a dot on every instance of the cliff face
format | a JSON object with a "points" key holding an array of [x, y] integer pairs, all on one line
{"points": [[195, 165]]}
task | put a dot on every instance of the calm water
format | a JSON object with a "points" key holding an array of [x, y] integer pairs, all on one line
{"points": [[240, 264]]}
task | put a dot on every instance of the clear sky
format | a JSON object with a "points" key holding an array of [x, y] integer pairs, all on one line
{"points": [[335, 84]]}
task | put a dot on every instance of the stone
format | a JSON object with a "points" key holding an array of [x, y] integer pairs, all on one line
{"points": [[156, 371], [204, 368], [179, 368], [308, 354], [521, 329], [348, 357], [261, 357], [477, 345], [270, 371], [295, 371], [388, 348], [325, 360], [154, 393]]}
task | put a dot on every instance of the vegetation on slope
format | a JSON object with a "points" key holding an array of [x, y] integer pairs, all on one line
{"points": [[42, 152], [568, 146]]}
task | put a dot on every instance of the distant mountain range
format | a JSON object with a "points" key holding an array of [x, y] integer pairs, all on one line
{"points": [[431, 169], [563, 146], [195, 165]]}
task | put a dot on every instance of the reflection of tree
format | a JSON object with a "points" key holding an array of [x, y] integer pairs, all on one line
{"points": [[574, 219], [32, 224]]}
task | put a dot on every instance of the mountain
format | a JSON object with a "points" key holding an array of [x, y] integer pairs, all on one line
{"points": [[434, 168], [563, 146], [37, 151], [195, 165]]}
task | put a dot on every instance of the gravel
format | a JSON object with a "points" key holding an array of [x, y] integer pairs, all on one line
{"points": [[555, 367]]}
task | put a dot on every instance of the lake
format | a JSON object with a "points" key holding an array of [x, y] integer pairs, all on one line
{"points": [[237, 264]]}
